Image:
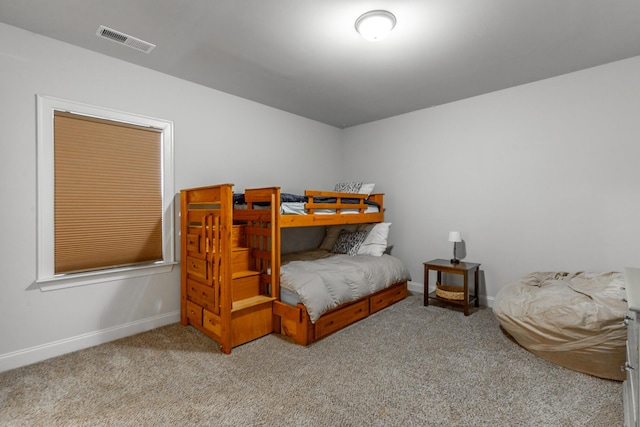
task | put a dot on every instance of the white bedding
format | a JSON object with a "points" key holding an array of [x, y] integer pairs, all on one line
{"points": [[296, 208], [323, 284]]}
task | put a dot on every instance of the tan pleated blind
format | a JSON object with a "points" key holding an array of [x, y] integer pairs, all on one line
{"points": [[108, 193]]}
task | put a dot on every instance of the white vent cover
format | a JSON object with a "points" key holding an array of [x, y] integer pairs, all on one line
{"points": [[124, 39]]}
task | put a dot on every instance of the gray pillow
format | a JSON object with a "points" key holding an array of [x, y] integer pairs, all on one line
{"points": [[332, 233]]}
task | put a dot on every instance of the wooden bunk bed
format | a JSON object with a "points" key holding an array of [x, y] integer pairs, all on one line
{"points": [[230, 264]]}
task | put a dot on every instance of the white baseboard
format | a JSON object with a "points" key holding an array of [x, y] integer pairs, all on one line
{"points": [[418, 288], [38, 353], [415, 287]]}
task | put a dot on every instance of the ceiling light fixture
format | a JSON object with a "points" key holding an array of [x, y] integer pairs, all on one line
{"points": [[375, 25]]}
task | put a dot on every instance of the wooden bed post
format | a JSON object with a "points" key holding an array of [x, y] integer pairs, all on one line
{"points": [[183, 256], [275, 252], [226, 223]]}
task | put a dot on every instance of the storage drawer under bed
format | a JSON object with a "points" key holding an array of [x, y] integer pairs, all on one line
{"points": [[332, 322], [387, 297]]}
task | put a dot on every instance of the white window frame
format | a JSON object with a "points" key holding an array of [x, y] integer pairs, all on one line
{"points": [[46, 279]]}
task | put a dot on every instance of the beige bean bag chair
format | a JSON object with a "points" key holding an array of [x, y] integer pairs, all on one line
{"points": [[572, 319]]}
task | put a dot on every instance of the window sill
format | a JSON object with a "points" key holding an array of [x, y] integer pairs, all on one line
{"points": [[96, 277]]}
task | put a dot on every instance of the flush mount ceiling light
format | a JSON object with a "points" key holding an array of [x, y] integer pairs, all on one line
{"points": [[375, 25]]}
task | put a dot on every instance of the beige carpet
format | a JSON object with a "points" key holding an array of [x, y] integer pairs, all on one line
{"points": [[407, 365]]}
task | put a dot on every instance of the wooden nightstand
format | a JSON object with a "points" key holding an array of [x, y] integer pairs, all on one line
{"points": [[445, 266]]}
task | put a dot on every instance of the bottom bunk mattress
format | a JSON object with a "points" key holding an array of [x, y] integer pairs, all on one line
{"points": [[323, 281], [572, 319]]}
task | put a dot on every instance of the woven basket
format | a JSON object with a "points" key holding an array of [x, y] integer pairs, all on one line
{"points": [[450, 292]]}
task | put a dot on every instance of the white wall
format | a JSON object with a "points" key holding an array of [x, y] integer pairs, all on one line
{"points": [[541, 177], [538, 177], [218, 138]]}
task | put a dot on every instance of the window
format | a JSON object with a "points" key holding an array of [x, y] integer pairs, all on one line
{"points": [[105, 194]]}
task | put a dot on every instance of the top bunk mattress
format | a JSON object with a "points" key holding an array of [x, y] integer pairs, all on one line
{"points": [[292, 204]]}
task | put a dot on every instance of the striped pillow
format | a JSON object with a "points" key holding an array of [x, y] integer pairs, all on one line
{"points": [[348, 187], [349, 242]]}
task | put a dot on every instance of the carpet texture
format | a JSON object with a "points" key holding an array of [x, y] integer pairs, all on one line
{"points": [[408, 365]]}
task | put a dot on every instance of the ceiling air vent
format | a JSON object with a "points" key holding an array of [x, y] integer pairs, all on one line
{"points": [[124, 39]]}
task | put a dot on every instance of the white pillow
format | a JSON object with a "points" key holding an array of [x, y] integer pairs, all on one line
{"points": [[376, 241], [366, 188]]}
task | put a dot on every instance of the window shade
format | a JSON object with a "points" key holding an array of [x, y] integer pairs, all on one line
{"points": [[107, 193]]}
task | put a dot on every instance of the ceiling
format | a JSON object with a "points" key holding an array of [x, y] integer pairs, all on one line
{"points": [[305, 57]]}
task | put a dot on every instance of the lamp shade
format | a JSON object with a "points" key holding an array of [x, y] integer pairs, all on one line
{"points": [[454, 236], [375, 25]]}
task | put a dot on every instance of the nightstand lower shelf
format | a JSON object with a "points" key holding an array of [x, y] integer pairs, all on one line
{"points": [[473, 300]]}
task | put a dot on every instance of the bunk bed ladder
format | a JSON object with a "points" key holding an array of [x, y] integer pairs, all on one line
{"points": [[205, 228]]}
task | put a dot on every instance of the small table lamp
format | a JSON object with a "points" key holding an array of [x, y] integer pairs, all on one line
{"points": [[454, 236]]}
